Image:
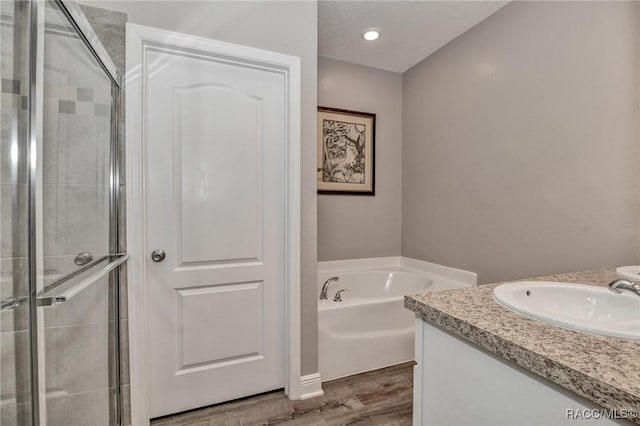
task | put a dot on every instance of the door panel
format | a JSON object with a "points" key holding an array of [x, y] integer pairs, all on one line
{"points": [[204, 130], [215, 191], [241, 341]]}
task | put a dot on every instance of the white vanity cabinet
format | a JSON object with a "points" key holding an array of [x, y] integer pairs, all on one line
{"points": [[459, 383]]}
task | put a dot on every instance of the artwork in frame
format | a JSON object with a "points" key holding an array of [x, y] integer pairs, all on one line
{"points": [[346, 148]]}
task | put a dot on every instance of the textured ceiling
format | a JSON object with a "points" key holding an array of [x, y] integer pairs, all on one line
{"points": [[410, 30]]}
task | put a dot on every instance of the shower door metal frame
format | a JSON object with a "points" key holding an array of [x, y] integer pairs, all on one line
{"points": [[86, 33]]}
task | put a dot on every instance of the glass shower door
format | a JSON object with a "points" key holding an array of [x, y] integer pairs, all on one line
{"points": [[15, 334], [78, 324], [59, 286]]}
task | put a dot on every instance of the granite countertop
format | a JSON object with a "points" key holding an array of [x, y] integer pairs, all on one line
{"points": [[605, 370]]}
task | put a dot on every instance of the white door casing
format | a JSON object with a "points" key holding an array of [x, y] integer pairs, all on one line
{"points": [[213, 179]]}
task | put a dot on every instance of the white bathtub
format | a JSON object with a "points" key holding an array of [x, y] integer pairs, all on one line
{"points": [[370, 328]]}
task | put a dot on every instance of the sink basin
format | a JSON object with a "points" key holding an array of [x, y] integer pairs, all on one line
{"points": [[575, 306]]}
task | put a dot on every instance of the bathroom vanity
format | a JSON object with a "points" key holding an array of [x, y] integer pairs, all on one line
{"points": [[479, 363]]}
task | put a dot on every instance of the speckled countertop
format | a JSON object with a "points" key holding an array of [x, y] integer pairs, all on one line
{"points": [[604, 369]]}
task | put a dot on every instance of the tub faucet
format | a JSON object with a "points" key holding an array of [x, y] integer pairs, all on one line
{"points": [[617, 286], [338, 296], [325, 288]]}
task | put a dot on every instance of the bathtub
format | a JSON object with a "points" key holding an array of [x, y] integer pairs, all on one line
{"points": [[370, 328]]}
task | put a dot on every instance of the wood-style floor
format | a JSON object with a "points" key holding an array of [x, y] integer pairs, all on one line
{"points": [[381, 397]]}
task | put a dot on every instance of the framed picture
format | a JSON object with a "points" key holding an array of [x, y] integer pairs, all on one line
{"points": [[346, 148]]}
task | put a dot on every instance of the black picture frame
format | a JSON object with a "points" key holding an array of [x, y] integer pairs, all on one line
{"points": [[353, 120]]}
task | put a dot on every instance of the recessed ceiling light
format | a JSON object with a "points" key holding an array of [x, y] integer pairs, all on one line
{"points": [[371, 34]]}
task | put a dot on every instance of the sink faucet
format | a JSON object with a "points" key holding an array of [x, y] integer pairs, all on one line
{"points": [[617, 286], [325, 287]]}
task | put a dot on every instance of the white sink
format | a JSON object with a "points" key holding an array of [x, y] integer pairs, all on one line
{"points": [[575, 306]]}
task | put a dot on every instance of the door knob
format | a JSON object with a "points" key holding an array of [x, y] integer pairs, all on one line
{"points": [[158, 255]]}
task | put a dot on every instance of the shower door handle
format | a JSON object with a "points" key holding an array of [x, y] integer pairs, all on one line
{"points": [[12, 303], [89, 281], [158, 255]]}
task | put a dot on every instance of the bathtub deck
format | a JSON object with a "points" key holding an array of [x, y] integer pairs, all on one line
{"points": [[381, 397]]}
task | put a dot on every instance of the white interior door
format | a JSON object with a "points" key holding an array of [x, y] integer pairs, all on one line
{"points": [[215, 205]]}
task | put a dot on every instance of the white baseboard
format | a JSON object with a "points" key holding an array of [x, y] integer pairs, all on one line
{"points": [[311, 386]]}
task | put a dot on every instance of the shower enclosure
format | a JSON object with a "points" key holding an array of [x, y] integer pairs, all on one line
{"points": [[59, 259]]}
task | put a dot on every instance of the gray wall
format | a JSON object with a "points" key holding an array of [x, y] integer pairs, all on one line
{"points": [[521, 143], [266, 25], [361, 226]]}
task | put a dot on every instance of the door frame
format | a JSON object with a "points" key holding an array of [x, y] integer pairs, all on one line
{"points": [[138, 39]]}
